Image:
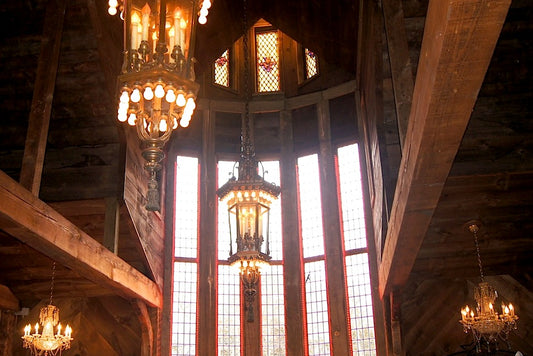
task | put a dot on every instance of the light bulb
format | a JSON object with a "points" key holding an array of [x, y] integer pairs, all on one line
{"points": [[184, 123], [180, 100], [112, 11], [170, 97], [112, 3], [174, 124], [148, 93], [204, 12], [191, 103], [159, 91], [202, 20], [206, 4], [163, 125], [122, 106], [124, 98], [135, 95], [132, 119], [122, 116]]}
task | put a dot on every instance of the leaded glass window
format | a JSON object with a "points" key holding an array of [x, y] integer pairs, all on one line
{"points": [[221, 70], [267, 54], [311, 63]]}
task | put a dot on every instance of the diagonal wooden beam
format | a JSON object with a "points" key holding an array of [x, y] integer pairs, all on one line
{"points": [[459, 39], [35, 223], [7, 299], [43, 94]]}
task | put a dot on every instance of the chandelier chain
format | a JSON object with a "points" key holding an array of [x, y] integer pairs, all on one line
{"points": [[474, 231], [246, 132], [52, 283]]}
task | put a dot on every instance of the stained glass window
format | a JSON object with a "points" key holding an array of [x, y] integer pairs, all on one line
{"points": [[311, 64], [267, 54], [222, 69]]}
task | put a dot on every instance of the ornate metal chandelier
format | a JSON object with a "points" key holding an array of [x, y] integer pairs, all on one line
{"points": [[248, 197], [158, 89], [47, 343], [485, 323]]}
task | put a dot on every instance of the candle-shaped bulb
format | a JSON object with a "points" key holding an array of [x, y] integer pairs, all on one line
{"points": [[202, 20], [506, 310], [112, 11], [59, 329], [36, 328], [511, 309], [68, 331], [163, 125]]}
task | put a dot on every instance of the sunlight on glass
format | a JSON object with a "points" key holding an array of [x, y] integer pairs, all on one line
{"points": [[317, 308], [229, 308], [184, 309], [273, 312], [351, 197], [310, 206], [186, 215]]}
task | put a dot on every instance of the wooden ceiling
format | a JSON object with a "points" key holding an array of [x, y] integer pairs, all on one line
{"points": [[490, 180]]}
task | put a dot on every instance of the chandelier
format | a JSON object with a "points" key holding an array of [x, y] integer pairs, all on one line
{"points": [[485, 323], [157, 83], [47, 343], [248, 197]]}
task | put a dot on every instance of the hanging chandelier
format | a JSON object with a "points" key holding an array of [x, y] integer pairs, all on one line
{"points": [[157, 84], [248, 197], [47, 343], [486, 324]]}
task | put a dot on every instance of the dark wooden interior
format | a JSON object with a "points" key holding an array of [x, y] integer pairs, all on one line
{"points": [[438, 94]]}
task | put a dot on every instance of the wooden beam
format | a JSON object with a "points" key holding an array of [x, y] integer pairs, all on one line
{"points": [[43, 94], [402, 74], [30, 220], [458, 43], [7, 299]]}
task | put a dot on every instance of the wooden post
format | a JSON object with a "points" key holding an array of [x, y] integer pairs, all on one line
{"points": [[292, 244], [111, 224], [207, 269], [8, 331], [396, 321], [43, 94], [147, 333], [340, 335]]}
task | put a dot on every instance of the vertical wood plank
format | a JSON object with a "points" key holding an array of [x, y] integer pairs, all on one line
{"points": [[402, 74], [292, 244], [8, 323], [368, 100], [340, 335], [43, 94], [111, 224], [207, 297]]}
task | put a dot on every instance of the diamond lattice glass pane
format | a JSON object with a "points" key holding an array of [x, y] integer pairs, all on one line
{"points": [[222, 69], [311, 64], [186, 216], [267, 61], [184, 309]]}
